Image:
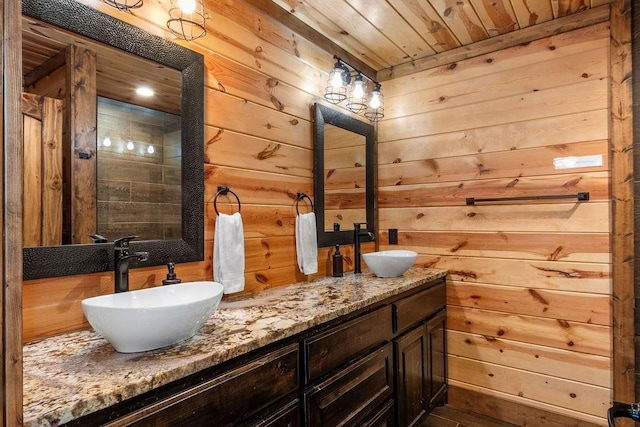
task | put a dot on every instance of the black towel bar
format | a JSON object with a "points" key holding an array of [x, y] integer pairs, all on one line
{"points": [[582, 197], [223, 190], [301, 196]]}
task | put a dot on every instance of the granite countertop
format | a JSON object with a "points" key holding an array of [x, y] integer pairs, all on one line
{"points": [[77, 373]]}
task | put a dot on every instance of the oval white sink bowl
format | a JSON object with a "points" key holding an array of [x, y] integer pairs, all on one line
{"points": [[148, 319], [390, 263]]}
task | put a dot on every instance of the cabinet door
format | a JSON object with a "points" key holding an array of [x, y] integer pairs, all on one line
{"points": [[412, 370], [437, 331]]}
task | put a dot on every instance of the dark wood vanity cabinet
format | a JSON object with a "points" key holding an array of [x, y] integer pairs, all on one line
{"points": [[389, 365], [382, 366]]}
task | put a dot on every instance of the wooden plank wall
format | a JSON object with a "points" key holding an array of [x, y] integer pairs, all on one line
{"points": [[42, 169], [260, 85], [529, 293]]}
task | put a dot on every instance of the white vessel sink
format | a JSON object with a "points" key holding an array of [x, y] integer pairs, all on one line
{"points": [[151, 318], [390, 263]]}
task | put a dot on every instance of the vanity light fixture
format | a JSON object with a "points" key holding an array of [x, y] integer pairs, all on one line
{"points": [[130, 145], [150, 149], [124, 4], [344, 75], [187, 19], [106, 142]]}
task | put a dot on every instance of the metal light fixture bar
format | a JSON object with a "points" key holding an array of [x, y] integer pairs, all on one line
{"points": [[357, 72], [124, 4]]}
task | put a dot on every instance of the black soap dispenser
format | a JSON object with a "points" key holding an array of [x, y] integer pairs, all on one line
{"points": [[171, 279], [337, 263]]}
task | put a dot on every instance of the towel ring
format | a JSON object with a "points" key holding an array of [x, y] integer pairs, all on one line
{"points": [[223, 190], [301, 196]]}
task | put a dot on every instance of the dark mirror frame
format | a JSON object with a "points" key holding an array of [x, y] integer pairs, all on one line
{"points": [[327, 115], [54, 261]]}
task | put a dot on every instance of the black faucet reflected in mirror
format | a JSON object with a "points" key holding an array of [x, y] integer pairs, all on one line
{"points": [[357, 233], [122, 258]]}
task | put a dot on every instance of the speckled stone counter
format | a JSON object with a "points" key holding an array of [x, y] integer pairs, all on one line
{"points": [[74, 374]]}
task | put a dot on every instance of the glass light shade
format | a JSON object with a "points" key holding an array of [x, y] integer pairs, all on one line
{"points": [[187, 6], [375, 111], [187, 19], [336, 90], [357, 101], [124, 4]]}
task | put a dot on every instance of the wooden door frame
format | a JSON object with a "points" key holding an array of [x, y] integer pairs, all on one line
{"points": [[11, 219], [622, 202]]}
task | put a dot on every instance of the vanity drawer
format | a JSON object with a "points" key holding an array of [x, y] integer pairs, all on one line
{"points": [[331, 349], [229, 398], [353, 394], [415, 308]]}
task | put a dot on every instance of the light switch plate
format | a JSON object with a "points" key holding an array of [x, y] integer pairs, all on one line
{"points": [[393, 236]]}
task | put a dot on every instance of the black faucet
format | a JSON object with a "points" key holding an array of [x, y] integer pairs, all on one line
{"points": [[357, 233], [122, 258]]}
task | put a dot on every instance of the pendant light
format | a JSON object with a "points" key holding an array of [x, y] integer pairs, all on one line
{"points": [[187, 19], [339, 78], [357, 101], [375, 110]]}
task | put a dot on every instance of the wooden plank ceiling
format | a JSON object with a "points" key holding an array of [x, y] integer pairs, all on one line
{"points": [[387, 33]]}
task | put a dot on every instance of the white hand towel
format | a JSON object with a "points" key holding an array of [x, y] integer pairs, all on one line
{"points": [[228, 253], [307, 243]]}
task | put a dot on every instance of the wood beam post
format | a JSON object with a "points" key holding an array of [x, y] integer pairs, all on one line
{"points": [[622, 189], [81, 123], [11, 219]]}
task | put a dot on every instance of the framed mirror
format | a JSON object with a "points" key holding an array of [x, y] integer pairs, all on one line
{"points": [[174, 153], [344, 173]]}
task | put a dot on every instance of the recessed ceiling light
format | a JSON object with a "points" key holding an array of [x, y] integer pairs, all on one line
{"points": [[144, 91]]}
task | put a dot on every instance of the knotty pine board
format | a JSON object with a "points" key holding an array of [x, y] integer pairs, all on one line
{"points": [[581, 126], [573, 395], [455, 193], [537, 51], [564, 70], [490, 165], [549, 303], [548, 246], [541, 359], [561, 217], [561, 334]]}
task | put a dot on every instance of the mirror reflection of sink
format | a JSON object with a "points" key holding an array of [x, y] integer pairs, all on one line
{"points": [[390, 263], [148, 319]]}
